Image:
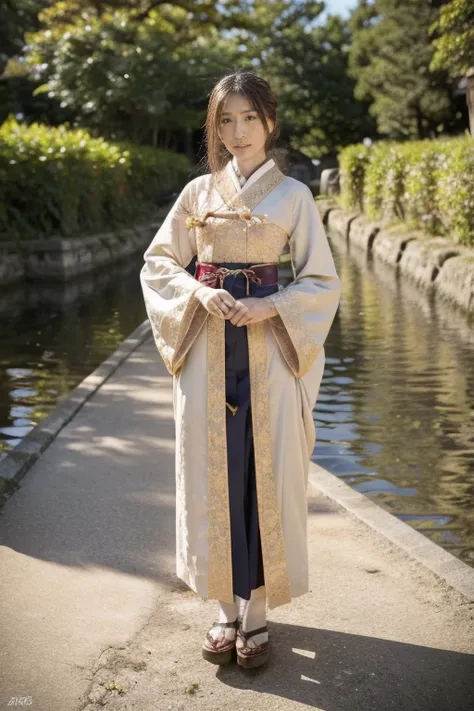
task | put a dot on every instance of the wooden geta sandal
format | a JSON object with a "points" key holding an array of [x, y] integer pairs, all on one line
{"points": [[216, 651], [250, 657]]}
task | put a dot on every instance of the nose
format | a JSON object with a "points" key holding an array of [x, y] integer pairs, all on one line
{"points": [[239, 131]]}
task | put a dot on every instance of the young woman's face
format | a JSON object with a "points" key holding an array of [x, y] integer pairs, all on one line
{"points": [[241, 130]]}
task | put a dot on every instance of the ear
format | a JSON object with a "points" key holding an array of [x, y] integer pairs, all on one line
{"points": [[270, 125]]}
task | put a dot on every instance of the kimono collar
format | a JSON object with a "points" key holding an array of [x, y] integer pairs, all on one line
{"points": [[239, 181], [254, 189]]}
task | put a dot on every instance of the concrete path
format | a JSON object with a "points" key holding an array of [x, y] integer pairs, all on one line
{"points": [[92, 613]]}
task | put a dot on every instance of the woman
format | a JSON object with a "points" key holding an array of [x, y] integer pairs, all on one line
{"points": [[247, 359]]}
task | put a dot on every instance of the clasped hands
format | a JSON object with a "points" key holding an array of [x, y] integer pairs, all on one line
{"points": [[239, 312]]}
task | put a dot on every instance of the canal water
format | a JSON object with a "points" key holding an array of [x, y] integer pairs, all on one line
{"points": [[395, 413]]}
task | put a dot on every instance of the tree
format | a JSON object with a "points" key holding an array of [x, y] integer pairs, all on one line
{"points": [[306, 61], [454, 44], [390, 59], [144, 72], [16, 18], [128, 72]]}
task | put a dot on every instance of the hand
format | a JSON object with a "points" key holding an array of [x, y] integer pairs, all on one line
{"points": [[217, 301], [250, 310]]}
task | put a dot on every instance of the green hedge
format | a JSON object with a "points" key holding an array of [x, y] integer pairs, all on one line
{"points": [[428, 183], [62, 182]]}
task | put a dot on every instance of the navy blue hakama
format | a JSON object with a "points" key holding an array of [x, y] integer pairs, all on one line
{"points": [[247, 563]]}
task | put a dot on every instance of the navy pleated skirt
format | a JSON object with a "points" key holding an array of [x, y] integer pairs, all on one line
{"points": [[247, 564]]}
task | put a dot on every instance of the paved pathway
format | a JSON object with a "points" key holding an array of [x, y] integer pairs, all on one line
{"points": [[92, 612]]}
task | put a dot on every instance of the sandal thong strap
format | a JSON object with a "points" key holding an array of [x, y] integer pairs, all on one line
{"points": [[252, 633], [214, 643], [235, 623]]}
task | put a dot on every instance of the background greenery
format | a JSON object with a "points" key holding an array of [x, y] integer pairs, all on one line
{"points": [[142, 71], [60, 182], [427, 183], [135, 75]]}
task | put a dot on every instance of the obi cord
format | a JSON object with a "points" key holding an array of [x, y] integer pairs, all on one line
{"points": [[216, 279]]}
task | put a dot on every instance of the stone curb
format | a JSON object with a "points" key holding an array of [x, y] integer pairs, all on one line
{"points": [[390, 245], [64, 259], [325, 205], [433, 263], [339, 221], [453, 571], [456, 280], [16, 463]]}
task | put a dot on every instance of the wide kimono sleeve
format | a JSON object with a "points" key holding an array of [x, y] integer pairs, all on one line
{"points": [[307, 306], [176, 315]]}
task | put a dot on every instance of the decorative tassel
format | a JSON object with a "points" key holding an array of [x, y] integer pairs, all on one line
{"points": [[245, 215], [232, 408], [194, 222]]}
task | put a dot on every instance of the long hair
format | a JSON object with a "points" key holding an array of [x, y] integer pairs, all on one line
{"points": [[262, 100]]}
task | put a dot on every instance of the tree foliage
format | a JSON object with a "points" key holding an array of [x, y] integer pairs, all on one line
{"points": [[129, 69], [390, 58], [306, 62], [16, 18], [454, 42]]}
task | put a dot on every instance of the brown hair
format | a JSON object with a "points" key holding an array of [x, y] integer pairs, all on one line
{"points": [[261, 98]]}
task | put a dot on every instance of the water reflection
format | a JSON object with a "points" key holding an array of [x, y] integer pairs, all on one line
{"points": [[395, 414], [53, 336]]}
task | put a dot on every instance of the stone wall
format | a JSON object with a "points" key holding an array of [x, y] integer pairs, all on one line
{"points": [[12, 267], [433, 263], [63, 259]]}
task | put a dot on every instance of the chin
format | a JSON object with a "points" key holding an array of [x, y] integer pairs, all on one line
{"points": [[245, 155]]}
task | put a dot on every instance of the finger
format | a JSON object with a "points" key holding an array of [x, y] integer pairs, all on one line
{"points": [[233, 311], [240, 316], [225, 295], [238, 307], [248, 318], [223, 304], [224, 308]]}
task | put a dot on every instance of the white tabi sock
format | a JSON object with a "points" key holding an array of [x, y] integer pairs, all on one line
{"points": [[253, 614], [228, 612]]}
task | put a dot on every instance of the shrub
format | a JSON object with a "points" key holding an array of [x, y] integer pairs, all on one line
{"points": [[352, 164], [454, 177], [384, 181], [62, 182], [420, 190], [429, 182]]}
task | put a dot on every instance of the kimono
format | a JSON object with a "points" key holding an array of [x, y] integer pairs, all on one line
{"points": [[223, 222]]}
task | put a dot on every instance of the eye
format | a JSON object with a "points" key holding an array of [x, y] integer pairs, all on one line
{"points": [[251, 116], [224, 120]]}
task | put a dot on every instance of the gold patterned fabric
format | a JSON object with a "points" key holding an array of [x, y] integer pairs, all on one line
{"points": [[307, 306], [215, 220], [175, 315]]}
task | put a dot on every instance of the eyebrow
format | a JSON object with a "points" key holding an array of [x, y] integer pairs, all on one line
{"points": [[248, 111]]}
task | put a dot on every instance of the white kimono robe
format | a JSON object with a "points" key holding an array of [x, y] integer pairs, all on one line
{"points": [[286, 366]]}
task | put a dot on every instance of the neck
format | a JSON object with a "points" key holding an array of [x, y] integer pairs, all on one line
{"points": [[247, 167]]}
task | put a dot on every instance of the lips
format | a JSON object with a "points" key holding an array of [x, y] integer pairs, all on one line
{"points": [[246, 146]]}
